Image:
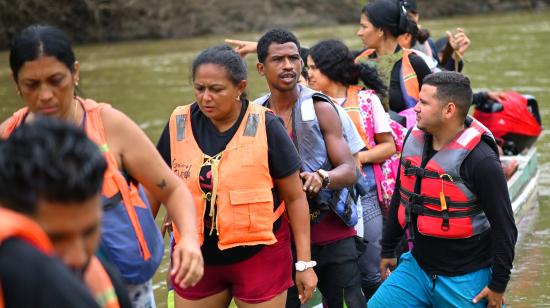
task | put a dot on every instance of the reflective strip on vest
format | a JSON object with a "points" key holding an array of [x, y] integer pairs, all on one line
{"points": [[100, 285], [445, 206], [243, 200]]}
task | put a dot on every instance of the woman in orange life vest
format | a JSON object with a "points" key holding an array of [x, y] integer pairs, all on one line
{"points": [[332, 70], [46, 74], [382, 21], [50, 185], [243, 171]]}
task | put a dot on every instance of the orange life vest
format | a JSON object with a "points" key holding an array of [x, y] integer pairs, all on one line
{"points": [[351, 106], [410, 87], [241, 201], [100, 285], [444, 205], [113, 181], [13, 224]]}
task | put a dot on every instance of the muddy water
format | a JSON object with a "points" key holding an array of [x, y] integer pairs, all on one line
{"points": [[147, 79]]}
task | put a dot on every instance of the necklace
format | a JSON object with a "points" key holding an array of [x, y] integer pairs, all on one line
{"points": [[288, 123]]}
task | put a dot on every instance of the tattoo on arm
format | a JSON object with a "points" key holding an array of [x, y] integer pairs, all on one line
{"points": [[162, 184]]}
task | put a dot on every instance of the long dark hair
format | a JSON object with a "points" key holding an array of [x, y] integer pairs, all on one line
{"points": [[334, 60], [389, 15], [40, 40], [225, 57]]}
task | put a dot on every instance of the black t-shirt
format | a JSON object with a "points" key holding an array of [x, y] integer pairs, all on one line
{"points": [[29, 278], [283, 161], [421, 69], [494, 247]]}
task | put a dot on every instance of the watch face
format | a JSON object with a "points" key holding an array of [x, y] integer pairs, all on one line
{"points": [[300, 266]]}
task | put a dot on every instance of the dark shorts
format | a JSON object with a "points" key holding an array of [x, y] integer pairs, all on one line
{"points": [[254, 280]]}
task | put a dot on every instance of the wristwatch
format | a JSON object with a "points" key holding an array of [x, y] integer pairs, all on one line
{"points": [[303, 265], [325, 177]]}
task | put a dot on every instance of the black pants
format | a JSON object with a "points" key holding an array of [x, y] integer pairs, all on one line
{"points": [[338, 274]]}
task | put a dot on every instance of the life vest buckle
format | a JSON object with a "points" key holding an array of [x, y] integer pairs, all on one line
{"points": [[445, 223], [410, 171], [415, 198], [417, 209]]}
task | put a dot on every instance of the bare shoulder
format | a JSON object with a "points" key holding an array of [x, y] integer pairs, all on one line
{"points": [[4, 125], [116, 122]]}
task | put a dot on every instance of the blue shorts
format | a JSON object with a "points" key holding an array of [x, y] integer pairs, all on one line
{"points": [[409, 286]]}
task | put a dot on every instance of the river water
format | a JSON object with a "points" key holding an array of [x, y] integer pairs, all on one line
{"points": [[148, 79]]}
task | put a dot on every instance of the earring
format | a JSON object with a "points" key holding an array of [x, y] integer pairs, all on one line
{"points": [[238, 97]]}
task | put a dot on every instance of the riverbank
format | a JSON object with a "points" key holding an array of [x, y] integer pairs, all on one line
{"points": [[147, 79], [120, 20]]}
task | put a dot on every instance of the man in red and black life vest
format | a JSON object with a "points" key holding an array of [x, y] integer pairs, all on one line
{"points": [[452, 196], [51, 176]]}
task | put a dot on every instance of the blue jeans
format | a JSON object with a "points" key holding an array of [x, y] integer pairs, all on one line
{"points": [[409, 286]]}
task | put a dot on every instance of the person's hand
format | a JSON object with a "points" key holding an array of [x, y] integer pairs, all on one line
{"points": [[386, 266], [306, 282], [462, 41], [494, 299], [459, 41], [166, 225], [312, 183], [187, 263], [243, 47]]}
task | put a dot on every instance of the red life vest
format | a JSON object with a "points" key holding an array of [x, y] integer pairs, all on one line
{"points": [[242, 206], [446, 208]]}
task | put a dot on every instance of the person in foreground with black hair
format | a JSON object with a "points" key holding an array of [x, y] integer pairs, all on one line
{"points": [[50, 183], [327, 169], [462, 226], [355, 87]]}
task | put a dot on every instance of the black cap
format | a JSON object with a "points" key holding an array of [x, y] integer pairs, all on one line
{"points": [[410, 5]]}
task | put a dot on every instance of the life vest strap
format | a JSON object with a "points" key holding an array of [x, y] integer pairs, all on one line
{"points": [[411, 170], [420, 172], [421, 210], [408, 197], [279, 211]]}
